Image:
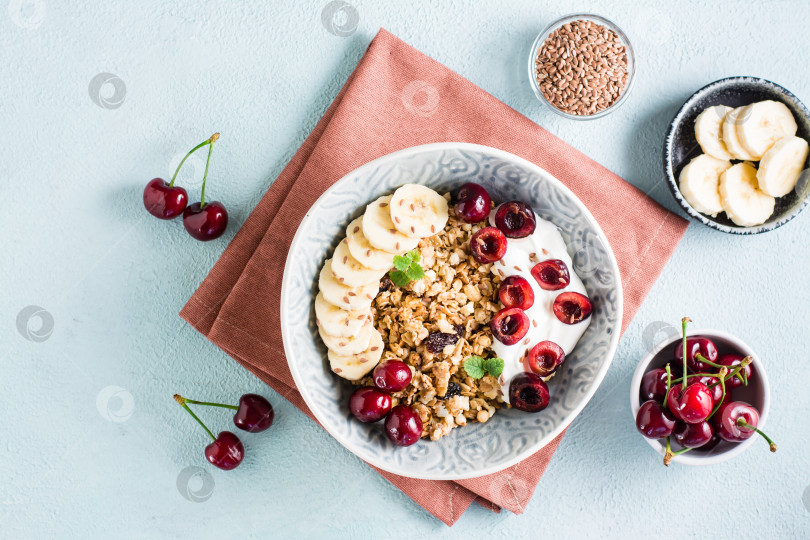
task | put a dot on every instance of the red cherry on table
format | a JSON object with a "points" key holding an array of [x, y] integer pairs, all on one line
{"points": [[403, 426], [206, 222], [473, 203], [694, 346], [654, 421], [509, 325], [254, 414], [488, 245], [392, 375], [528, 392], [545, 358], [731, 361], [693, 435], [692, 405], [369, 404], [163, 200], [516, 292], [226, 452]]}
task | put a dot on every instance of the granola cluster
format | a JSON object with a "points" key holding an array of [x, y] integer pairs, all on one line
{"points": [[436, 323]]}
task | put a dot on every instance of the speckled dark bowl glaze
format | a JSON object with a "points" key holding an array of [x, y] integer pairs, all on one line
{"points": [[680, 146]]}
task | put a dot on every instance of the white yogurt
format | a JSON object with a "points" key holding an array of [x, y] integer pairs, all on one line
{"points": [[545, 243]]}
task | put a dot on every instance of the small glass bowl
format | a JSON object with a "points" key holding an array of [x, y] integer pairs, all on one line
{"points": [[541, 38]]}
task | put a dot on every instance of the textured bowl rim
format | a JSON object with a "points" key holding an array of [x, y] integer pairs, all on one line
{"points": [[600, 375], [698, 459], [669, 171], [571, 17]]}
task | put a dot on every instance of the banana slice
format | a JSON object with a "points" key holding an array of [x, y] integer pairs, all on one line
{"points": [[339, 322], [380, 232], [348, 298], [365, 253], [418, 211], [699, 182], [730, 140], [349, 271], [744, 204], [781, 166], [356, 366], [762, 124], [708, 127], [347, 346]]}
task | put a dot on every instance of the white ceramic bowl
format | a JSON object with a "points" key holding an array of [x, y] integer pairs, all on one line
{"points": [[510, 436], [757, 393]]}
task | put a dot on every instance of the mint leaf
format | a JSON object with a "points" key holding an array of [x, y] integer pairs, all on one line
{"points": [[415, 272], [399, 278], [474, 366], [494, 366], [401, 263], [415, 255]]}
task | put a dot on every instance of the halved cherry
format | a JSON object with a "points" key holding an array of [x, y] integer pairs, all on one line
{"points": [[515, 219], [545, 358], [516, 292], [572, 307], [551, 275], [509, 325], [488, 245]]}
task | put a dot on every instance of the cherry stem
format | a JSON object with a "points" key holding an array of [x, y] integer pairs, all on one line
{"points": [[742, 423], [684, 322], [195, 402], [182, 401], [209, 140], [706, 360], [722, 374], [745, 362], [213, 139], [668, 454], [669, 384]]}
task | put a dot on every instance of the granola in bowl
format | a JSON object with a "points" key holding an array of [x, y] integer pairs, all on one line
{"points": [[435, 323]]}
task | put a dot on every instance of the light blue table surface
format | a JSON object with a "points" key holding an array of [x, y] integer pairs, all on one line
{"points": [[92, 444]]}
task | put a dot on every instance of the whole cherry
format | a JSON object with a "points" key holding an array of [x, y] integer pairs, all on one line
{"points": [[473, 203], [206, 221], [226, 452], [692, 404], [697, 345], [654, 421], [737, 421], [369, 404], [392, 375], [403, 426], [654, 384], [164, 200], [693, 435]]}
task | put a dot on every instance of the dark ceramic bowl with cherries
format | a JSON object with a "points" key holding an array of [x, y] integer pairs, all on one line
{"points": [[756, 393]]}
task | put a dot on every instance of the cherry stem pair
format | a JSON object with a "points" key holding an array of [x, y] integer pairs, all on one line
{"points": [[182, 401], [739, 375], [210, 143]]}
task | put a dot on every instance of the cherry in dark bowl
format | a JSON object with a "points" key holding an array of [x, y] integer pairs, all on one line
{"points": [[654, 421], [696, 345]]}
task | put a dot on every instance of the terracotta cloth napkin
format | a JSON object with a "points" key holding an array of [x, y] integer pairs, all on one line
{"points": [[379, 110]]}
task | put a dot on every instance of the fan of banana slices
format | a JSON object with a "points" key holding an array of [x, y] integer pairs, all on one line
{"points": [[765, 132], [350, 280]]}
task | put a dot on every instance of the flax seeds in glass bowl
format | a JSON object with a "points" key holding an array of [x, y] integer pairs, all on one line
{"points": [[582, 66]]}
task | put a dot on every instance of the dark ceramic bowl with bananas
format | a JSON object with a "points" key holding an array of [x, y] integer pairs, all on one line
{"points": [[736, 155]]}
